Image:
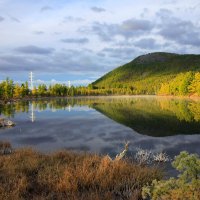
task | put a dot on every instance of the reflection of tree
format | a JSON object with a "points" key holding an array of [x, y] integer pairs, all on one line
{"points": [[9, 110], [194, 108], [153, 116], [179, 107], [121, 109]]}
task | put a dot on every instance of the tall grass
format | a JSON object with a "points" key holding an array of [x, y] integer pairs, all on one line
{"points": [[28, 174]]}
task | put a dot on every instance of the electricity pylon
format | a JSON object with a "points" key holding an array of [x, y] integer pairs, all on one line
{"points": [[69, 84], [31, 80]]}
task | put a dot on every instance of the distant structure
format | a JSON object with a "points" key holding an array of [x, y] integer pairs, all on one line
{"points": [[32, 114], [31, 80], [69, 108], [69, 84]]}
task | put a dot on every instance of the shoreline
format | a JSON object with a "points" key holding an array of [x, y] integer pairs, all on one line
{"points": [[13, 100]]}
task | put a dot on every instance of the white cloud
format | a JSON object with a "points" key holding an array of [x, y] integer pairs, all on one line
{"points": [[73, 82], [125, 25]]}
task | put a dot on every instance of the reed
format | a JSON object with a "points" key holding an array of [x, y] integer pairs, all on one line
{"points": [[28, 174]]}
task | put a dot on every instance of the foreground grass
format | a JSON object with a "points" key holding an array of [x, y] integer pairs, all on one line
{"points": [[27, 174]]}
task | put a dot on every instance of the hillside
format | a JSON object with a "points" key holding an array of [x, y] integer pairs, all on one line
{"points": [[147, 73]]}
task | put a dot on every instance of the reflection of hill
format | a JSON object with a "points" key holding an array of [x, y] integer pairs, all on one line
{"points": [[155, 116]]}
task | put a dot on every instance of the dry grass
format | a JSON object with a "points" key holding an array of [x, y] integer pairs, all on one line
{"points": [[27, 174]]}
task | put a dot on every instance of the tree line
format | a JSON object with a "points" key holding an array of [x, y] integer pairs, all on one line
{"points": [[9, 90], [183, 84]]}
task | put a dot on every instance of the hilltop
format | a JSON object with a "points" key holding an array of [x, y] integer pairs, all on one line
{"points": [[146, 74]]}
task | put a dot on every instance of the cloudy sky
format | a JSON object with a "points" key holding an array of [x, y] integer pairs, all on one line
{"points": [[80, 40]]}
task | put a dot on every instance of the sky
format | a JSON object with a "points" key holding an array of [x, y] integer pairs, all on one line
{"points": [[81, 40]]}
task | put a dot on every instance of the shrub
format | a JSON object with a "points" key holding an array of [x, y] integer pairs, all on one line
{"points": [[185, 187]]}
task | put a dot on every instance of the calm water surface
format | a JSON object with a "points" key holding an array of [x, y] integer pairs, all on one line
{"points": [[102, 125]]}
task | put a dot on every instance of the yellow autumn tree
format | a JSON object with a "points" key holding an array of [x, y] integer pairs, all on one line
{"points": [[17, 91], [194, 87]]}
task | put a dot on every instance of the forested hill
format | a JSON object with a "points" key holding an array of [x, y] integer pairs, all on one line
{"points": [[155, 73]]}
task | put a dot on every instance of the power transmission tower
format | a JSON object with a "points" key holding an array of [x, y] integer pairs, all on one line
{"points": [[31, 80], [69, 84]]}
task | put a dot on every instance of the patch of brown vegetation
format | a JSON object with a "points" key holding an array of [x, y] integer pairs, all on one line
{"points": [[27, 174]]}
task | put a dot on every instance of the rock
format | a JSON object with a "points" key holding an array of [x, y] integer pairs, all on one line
{"points": [[6, 151], [6, 123], [5, 148]]}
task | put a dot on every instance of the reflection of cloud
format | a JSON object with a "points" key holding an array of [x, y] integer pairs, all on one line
{"points": [[78, 148], [36, 140], [86, 130], [81, 109]]}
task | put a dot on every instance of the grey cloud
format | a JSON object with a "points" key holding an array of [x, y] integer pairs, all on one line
{"points": [[46, 8], [177, 30], [101, 54], [57, 33], [76, 41], [180, 31], [98, 9], [10, 63], [145, 11], [57, 62], [15, 19], [196, 7], [2, 18], [14, 59], [164, 13], [146, 43], [72, 19], [123, 53], [128, 29], [38, 32], [31, 49], [136, 25]]}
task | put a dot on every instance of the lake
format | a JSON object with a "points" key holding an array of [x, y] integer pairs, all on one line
{"points": [[103, 124]]}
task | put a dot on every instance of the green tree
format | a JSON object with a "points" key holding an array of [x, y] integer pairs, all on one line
{"points": [[42, 90], [185, 187]]}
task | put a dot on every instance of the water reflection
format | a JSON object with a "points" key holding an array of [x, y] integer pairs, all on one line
{"points": [[102, 125], [151, 116], [156, 117]]}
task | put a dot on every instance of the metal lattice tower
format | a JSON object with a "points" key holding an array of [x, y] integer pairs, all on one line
{"points": [[69, 84], [31, 80]]}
